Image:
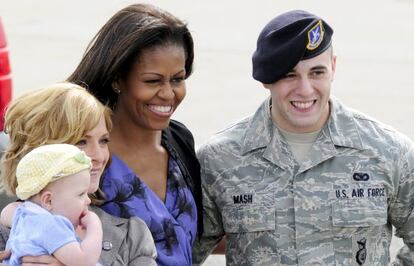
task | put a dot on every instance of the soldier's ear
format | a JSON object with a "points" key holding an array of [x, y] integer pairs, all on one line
{"points": [[266, 86], [333, 63]]}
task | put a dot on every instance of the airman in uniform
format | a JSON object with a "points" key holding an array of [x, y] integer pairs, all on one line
{"points": [[305, 180]]}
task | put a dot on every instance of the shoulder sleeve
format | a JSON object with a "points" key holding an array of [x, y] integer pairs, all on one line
{"points": [[212, 222], [401, 209], [141, 244], [57, 231]]}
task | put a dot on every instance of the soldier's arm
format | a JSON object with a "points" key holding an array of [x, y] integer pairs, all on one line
{"points": [[213, 231], [401, 211], [213, 226]]}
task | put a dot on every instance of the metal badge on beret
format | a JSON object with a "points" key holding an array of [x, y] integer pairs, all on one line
{"points": [[315, 36]]}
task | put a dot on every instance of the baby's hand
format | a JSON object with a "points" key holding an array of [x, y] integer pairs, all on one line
{"points": [[89, 219]]}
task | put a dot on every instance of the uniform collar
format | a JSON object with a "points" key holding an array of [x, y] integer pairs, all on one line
{"points": [[340, 130], [342, 127], [259, 130]]}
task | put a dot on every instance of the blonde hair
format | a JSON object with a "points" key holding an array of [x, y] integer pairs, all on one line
{"points": [[60, 113]]}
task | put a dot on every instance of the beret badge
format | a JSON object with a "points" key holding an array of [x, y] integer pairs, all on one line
{"points": [[315, 36]]}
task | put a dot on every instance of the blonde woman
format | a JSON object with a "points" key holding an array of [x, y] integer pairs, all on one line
{"points": [[67, 113]]}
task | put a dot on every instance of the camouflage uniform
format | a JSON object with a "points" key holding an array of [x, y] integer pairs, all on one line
{"points": [[337, 208]]}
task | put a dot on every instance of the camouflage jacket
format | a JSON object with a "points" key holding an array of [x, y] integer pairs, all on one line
{"points": [[336, 208]]}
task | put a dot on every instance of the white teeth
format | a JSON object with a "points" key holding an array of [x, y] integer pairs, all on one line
{"points": [[161, 108], [302, 105]]}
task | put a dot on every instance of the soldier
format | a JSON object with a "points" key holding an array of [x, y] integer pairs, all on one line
{"points": [[305, 180]]}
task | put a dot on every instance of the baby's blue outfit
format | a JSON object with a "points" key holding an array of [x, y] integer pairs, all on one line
{"points": [[35, 231]]}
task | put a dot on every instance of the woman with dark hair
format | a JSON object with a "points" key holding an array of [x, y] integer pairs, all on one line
{"points": [[137, 64]]}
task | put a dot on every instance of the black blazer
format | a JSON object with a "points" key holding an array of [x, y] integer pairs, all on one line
{"points": [[179, 142]]}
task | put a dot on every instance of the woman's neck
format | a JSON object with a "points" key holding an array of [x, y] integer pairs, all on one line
{"points": [[126, 137]]}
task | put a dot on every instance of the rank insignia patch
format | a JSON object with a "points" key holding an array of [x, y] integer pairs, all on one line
{"points": [[315, 36], [360, 176], [361, 254]]}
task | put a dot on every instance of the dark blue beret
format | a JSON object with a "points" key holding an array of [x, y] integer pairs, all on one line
{"points": [[288, 38]]}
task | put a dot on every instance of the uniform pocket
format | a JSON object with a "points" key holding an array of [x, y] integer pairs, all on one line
{"points": [[361, 212], [248, 218]]}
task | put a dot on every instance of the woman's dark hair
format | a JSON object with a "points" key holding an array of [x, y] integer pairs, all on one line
{"points": [[120, 42]]}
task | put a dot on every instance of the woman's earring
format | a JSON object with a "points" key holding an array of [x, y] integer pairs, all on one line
{"points": [[116, 90]]}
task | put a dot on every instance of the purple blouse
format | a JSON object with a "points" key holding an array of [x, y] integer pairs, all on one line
{"points": [[173, 223]]}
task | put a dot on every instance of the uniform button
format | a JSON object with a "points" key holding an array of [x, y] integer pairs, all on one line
{"points": [[106, 245]]}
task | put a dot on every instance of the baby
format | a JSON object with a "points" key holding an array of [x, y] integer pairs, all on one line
{"points": [[53, 181]]}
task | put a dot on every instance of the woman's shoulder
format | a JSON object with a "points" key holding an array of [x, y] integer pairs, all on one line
{"points": [[178, 129], [179, 136], [107, 219]]}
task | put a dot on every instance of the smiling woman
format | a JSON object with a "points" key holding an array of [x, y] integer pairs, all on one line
{"points": [[138, 63], [150, 94]]}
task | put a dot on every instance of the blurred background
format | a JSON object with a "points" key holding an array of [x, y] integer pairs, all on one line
{"points": [[373, 40]]}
